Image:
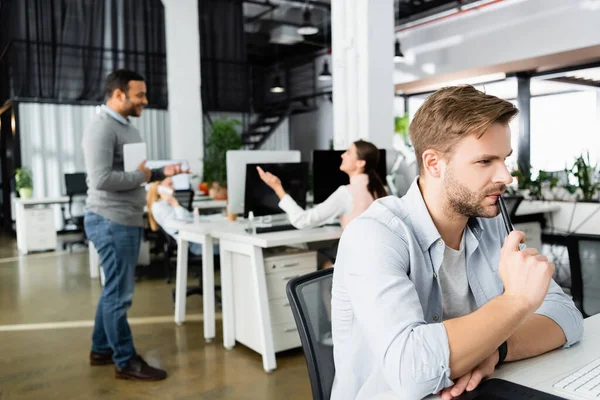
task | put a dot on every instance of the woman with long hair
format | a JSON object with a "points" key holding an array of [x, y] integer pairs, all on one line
{"points": [[360, 162], [163, 206]]}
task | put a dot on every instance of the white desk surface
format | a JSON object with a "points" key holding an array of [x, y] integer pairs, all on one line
{"points": [[47, 200], [544, 371], [528, 208], [235, 232]]}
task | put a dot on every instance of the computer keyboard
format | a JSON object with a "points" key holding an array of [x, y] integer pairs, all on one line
{"points": [[274, 228], [585, 382]]}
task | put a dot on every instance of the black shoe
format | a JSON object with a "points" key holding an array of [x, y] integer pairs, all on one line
{"points": [[101, 358], [138, 369]]}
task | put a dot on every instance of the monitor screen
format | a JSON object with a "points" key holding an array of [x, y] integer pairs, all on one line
{"points": [[327, 176], [181, 181], [236, 161], [262, 200], [76, 183]]}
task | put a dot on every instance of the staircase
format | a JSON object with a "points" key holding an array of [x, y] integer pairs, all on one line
{"points": [[259, 131]]}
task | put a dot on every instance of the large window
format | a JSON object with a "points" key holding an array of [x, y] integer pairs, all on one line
{"points": [[563, 126]]}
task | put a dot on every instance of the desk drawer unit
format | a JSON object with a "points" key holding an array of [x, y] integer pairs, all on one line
{"points": [[279, 270]]}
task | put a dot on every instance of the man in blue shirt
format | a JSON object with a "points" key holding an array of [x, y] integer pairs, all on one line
{"points": [[114, 219], [429, 294]]}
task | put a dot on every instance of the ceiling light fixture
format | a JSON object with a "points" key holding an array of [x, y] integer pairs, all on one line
{"points": [[307, 28], [277, 86], [325, 74], [398, 55]]}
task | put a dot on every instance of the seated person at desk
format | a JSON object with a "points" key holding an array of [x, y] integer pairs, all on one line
{"points": [[163, 206], [359, 162], [429, 294]]}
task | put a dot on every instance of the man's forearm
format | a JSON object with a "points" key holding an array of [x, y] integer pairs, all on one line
{"points": [[476, 336], [538, 335]]}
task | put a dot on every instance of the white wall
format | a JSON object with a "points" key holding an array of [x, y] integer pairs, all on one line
{"points": [[362, 52], [183, 78], [509, 31], [314, 130]]}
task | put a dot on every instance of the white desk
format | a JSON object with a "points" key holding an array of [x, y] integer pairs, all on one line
{"points": [[235, 242], [197, 232], [544, 371], [35, 223], [529, 207]]}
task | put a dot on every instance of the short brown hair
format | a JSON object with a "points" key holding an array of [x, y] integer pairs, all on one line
{"points": [[453, 112]]}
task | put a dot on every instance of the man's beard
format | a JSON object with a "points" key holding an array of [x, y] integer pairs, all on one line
{"points": [[461, 201], [131, 109]]}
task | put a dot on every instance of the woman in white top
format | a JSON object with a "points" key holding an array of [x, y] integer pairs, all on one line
{"points": [[163, 206], [349, 201]]}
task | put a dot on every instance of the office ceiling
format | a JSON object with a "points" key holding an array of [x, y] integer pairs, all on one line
{"points": [[271, 25], [408, 11]]}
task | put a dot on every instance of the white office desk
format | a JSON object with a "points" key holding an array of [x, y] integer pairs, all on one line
{"points": [[544, 371], [35, 226], [234, 241], [196, 232], [528, 207]]}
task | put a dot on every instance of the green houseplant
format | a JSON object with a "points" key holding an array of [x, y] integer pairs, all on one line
{"points": [[24, 182], [401, 127], [223, 137], [584, 172]]}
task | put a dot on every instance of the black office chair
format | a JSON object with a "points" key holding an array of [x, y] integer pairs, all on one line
{"points": [[75, 185], [310, 300], [584, 258]]}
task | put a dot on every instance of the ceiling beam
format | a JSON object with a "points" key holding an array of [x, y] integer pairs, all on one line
{"points": [[299, 3], [577, 81]]}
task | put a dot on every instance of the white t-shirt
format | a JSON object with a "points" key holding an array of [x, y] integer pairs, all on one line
{"points": [[457, 298]]}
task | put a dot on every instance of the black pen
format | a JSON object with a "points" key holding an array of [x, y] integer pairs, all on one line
{"points": [[506, 218]]}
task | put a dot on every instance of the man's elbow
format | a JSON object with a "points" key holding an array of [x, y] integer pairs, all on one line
{"points": [[101, 182]]}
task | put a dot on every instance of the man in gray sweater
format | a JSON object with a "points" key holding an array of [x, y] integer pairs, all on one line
{"points": [[114, 220]]}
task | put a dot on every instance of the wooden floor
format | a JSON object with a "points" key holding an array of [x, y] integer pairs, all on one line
{"points": [[50, 360]]}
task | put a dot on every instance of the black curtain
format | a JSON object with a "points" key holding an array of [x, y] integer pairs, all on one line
{"points": [[59, 51], [141, 43], [224, 64]]}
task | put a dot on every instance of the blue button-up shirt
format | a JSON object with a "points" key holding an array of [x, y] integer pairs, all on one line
{"points": [[387, 300], [114, 114]]}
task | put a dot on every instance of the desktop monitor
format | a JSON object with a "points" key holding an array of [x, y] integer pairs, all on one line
{"points": [[181, 181], [76, 183], [236, 171], [327, 176], [262, 200]]}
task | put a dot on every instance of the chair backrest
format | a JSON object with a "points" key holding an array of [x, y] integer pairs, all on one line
{"points": [[512, 203], [584, 258], [75, 184], [185, 198], [310, 301]]}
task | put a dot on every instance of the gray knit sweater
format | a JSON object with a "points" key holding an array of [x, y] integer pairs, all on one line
{"points": [[112, 193]]}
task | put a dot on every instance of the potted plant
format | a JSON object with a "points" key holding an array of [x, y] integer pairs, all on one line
{"points": [[401, 128], [24, 182], [584, 172], [223, 137]]}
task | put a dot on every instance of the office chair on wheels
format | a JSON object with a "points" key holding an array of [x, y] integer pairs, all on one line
{"points": [[310, 301], [76, 185]]}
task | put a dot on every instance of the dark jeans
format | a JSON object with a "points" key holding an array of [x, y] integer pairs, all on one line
{"points": [[118, 247]]}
